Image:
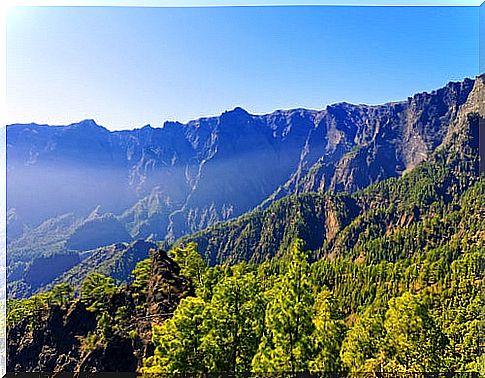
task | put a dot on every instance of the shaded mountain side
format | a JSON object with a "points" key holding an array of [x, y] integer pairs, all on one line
{"points": [[48, 238], [97, 231], [116, 261], [382, 213], [170, 181], [382, 141], [74, 337], [67, 232], [24, 279], [59, 243], [406, 250]]}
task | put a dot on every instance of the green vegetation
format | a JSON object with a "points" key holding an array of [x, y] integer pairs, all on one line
{"points": [[388, 221], [338, 315], [29, 310], [394, 283], [414, 314]]}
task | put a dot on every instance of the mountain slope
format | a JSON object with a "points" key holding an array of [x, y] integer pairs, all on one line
{"points": [[382, 215], [396, 285], [60, 244], [116, 261]]}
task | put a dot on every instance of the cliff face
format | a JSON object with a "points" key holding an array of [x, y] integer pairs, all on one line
{"points": [[53, 343], [366, 144], [57, 338], [432, 138], [94, 187], [174, 180]]}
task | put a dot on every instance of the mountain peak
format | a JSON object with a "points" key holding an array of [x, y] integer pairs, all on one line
{"points": [[86, 123], [237, 110]]}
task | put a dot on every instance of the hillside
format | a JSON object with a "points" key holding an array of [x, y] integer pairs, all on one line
{"points": [[162, 183], [60, 243], [406, 301], [116, 261]]}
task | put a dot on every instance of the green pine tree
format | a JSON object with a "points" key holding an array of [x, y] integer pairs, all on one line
{"points": [[288, 321], [327, 336], [413, 341], [178, 340], [235, 322]]}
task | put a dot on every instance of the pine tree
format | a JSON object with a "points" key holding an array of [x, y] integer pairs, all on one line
{"points": [[413, 341], [327, 336], [235, 322], [288, 321], [140, 275], [178, 340], [191, 263], [95, 291], [361, 347]]}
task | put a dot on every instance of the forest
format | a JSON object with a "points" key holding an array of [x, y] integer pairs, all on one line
{"points": [[291, 315]]}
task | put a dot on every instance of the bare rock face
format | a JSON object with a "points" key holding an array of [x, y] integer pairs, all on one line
{"points": [[366, 144], [166, 286], [442, 126], [52, 343], [475, 104], [117, 356]]}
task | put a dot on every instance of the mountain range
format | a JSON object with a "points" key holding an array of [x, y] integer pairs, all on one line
{"points": [[74, 190]]}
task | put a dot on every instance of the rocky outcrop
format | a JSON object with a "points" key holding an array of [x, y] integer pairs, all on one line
{"points": [[166, 286], [52, 342], [55, 340]]}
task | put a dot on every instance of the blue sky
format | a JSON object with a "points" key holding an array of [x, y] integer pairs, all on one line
{"points": [[127, 67]]}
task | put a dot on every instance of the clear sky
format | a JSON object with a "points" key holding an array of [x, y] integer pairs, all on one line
{"points": [[127, 67]]}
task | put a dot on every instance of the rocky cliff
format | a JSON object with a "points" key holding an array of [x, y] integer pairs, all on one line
{"points": [[58, 338]]}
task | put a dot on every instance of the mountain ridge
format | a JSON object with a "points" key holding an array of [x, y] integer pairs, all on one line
{"points": [[391, 102]]}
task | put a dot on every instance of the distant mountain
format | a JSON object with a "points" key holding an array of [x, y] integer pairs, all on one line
{"points": [[394, 227], [116, 261], [170, 181], [58, 243]]}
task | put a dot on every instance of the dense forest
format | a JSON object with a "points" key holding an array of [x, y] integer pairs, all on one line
{"points": [[421, 314], [417, 309]]}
